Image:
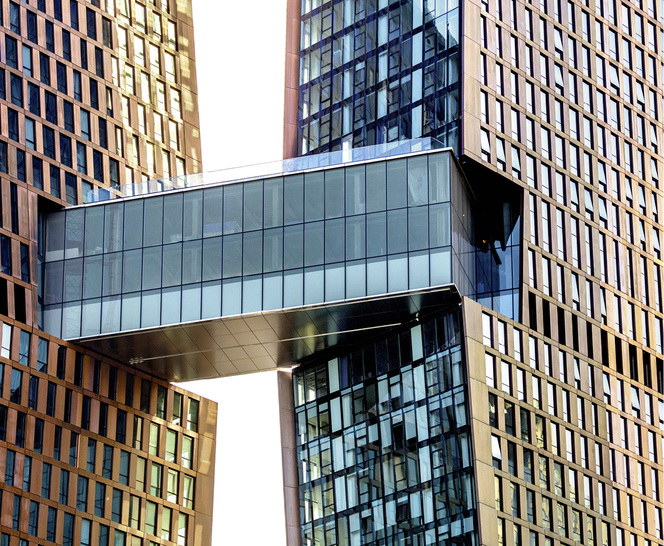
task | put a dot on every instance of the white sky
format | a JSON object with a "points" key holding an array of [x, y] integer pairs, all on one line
{"points": [[240, 63]]}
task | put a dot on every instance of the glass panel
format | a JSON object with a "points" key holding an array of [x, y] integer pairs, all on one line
{"points": [[151, 267], [356, 285], [396, 231], [191, 302], [397, 273], [91, 317], [272, 291], [418, 229], [439, 178], [71, 320], [376, 234], [417, 181], [335, 282], [150, 308], [172, 218], [131, 311], [355, 198], [334, 240], [74, 234], [355, 237], [418, 270], [94, 237], [313, 243], [253, 253], [314, 197], [131, 271], [293, 288], [376, 276], [113, 227], [110, 314], [233, 209], [212, 212], [252, 294], [133, 219], [55, 237], [396, 184], [439, 225], [293, 247], [231, 299], [191, 262], [212, 259], [92, 276], [293, 199], [152, 224], [334, 193], [376, 187], [274, 203], [232, 247], [112, 273], [313, 285], [211, 300], [73, 277], [193, 215], [172, 265], [170, 309], [253, 205]]}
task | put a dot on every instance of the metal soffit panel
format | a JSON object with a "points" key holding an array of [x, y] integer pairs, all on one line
{"points": [[262, 341]]}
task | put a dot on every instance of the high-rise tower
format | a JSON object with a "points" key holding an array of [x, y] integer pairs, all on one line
{"points": [[558, 105], [92, 94]]}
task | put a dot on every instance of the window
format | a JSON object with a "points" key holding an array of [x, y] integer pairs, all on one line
{"points": [[187, 451]]}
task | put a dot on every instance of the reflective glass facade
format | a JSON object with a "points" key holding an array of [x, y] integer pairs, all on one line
{"points": [[383, 440], [306, 238], [375, 71]]}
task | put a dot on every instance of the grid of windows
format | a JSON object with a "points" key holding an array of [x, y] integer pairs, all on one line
{"points": [[374, 72], [384, 448], [92, 460]]}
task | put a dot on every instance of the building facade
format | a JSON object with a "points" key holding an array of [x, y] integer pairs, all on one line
{"points": [[560, 102], [92, 94]]}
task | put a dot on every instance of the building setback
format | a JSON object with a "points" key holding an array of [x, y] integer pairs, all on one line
{"points": [[92, 94]]}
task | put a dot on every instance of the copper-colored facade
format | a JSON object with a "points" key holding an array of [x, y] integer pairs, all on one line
{"points": [[92, 94], [562, 103]]}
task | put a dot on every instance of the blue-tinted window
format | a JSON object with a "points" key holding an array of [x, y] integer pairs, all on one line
{"points": [[73, 14], [25, 264], [50, 40], [68, 112], [16, 85], [34, 104], [51, 109], [62, 78], [98, 165], [99, 62], [66, 45], [94, 94], [77, 86], [84, 54], [55, 180], [12, 124], [37, 173], [57, 10], [92, 23], [44, 69], [20, 165], [103, 135], [65, 151], [48, 136], [11, 52], [14, 18], [81, 158], [31, 20], [6, 254]]}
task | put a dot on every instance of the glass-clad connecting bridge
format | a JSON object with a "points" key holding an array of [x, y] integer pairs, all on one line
{"points": [[322, 238]]}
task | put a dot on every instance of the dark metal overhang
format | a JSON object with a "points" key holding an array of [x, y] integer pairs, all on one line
{"points": [[263, 341]]}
